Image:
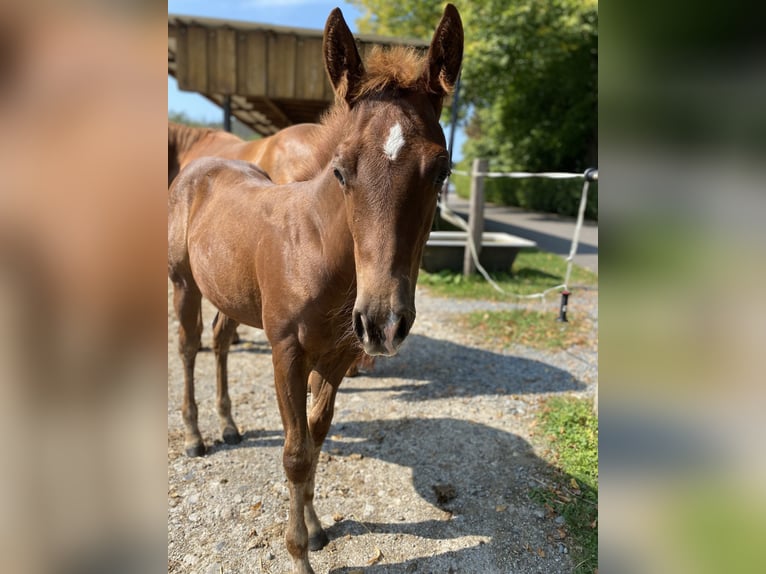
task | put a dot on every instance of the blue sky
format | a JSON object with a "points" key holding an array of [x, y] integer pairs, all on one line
{"points": [[300, 13]]}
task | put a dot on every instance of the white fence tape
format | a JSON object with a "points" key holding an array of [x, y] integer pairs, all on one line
{"points": [[523, 174]]}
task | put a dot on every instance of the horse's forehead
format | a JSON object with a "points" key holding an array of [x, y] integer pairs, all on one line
{"points": [[394, 141], [405, 111], [394, 126]]}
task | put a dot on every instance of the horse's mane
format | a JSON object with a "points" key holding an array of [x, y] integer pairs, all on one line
{"points": [[392, 68], [182, 137]]}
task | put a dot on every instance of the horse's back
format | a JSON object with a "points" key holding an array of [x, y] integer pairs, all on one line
{"points": [[197, 186]]}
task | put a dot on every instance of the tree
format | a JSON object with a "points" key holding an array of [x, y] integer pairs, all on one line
{"points": [[184, 118], [408, 18], [529, 87]]}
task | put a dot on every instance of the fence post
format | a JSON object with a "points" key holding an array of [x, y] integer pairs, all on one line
{"points": [[475, 215], [227, 113]]}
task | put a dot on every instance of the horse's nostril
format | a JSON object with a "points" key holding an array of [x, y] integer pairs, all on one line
{"points": [[358, 325], [402, 330]]}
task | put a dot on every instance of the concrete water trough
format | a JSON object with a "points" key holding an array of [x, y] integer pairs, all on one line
{"points": [[445, 250]]}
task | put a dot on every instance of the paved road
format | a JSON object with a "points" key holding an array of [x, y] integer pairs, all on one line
{"points": [[552, 233]]}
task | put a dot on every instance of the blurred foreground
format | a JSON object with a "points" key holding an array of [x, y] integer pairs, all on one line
{"points": [[683, 315], [82, 273]]}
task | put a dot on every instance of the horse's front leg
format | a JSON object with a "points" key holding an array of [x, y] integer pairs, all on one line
{"points": [[323, 393], [291, 378]]}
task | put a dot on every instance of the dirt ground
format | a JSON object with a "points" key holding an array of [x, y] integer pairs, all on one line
{"points": [[428, 466]]}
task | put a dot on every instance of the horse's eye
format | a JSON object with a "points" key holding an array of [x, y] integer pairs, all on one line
{"points": [[442, 177], [339, 176]]}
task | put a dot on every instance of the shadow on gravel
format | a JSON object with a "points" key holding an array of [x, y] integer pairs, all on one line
{"points": [[480, 476], [442, 369], [250, 439], [248, 346]]}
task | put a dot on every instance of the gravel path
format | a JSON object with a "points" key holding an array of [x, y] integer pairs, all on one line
{"points": [[428, 466]]}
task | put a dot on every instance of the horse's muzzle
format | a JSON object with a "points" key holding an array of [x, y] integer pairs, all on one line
{"points": [[382, 337]]}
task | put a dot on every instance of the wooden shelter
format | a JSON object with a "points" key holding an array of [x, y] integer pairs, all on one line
{"points": [[268, 77]]}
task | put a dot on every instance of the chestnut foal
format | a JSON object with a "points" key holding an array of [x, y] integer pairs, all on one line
{"points": [[327, 267]]}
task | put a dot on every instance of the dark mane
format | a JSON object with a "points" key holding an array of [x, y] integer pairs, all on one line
{"points": [[180, 139]]}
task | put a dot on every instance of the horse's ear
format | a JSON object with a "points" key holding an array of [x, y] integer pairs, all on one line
{"points": [[445, 53], [341, 58]]}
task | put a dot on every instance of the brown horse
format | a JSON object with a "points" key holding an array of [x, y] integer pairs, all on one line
{"points": [[327, 267], [292, 154]]}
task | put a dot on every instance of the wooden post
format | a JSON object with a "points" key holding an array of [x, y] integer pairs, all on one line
{"points": [[227, 113], [475, 214]]}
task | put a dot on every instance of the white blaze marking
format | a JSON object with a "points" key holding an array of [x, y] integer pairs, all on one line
{"points": [[394, 143]]}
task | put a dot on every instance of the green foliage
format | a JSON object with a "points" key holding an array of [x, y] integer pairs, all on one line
{"points": [[570, 428], [532, 79], [529, 87], [184, 118], [408, 18]]}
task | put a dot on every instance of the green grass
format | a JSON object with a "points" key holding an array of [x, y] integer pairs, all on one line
{"points": [[533, 272], [538, 329], [570, 428]]}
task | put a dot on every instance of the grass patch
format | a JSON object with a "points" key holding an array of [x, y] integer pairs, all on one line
{"points": [[536, 329], [570, 428], [533, 272]]}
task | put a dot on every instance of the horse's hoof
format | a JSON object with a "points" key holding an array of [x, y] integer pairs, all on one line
{"points": [[196, 450], [318, 541], [232, 436]]}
